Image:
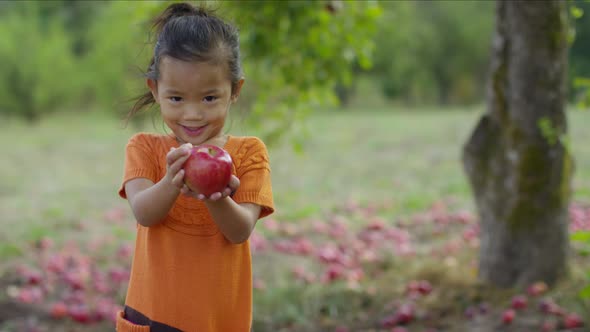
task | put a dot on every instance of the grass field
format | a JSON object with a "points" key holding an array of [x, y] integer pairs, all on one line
{"points": [[68, 169], [60, 177]]}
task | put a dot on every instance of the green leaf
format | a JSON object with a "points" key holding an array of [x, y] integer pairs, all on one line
{"points": [[585, 292], [581, 236], [581, 82], [576, 12]]}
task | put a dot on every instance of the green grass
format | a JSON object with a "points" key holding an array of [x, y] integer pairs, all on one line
{"points": [[67, 169], [57, 173], [413, 158]]}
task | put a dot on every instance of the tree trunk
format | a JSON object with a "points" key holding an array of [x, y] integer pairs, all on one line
{"points": [[517, 162]]}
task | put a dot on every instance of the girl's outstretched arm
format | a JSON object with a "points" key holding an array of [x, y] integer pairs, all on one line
{"points": [[235, 221], [151, 202]]}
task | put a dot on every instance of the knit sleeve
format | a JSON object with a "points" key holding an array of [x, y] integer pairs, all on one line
{"points": [[254, 174], [139, 162]]}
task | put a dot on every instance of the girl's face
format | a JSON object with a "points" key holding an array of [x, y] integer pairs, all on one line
{"points": [[194, 98]]}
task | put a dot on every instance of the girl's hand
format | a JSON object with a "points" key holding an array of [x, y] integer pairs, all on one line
{"points": [[234, 183], [174, 161]]}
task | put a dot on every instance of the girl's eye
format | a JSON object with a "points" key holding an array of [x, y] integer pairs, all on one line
{"points": [[210, 99], [175, 99]]}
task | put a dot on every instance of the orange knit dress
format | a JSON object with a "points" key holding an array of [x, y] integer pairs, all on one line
{"points": [[185, 275]]}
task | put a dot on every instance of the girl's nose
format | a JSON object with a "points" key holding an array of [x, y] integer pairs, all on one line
{"points": [[193, 113]]}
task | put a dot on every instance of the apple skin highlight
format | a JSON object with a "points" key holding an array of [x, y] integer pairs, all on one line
{"points": [[208, 169]]}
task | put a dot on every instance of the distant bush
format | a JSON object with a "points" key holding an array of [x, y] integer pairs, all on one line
{"points": [[36, 60], [434, 52]]}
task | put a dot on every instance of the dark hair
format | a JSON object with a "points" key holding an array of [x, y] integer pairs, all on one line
{"points": [[190, 33]]}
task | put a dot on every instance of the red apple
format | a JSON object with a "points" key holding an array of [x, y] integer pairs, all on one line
{"points": [[333, 272], [58, 310], [208, 169], [424, 287], [519, 302], [80, 313], [508, 316], [572, 321], [33, 277], [405, 313]]}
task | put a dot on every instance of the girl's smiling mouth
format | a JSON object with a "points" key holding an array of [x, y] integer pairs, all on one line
{"points": [[193, 131]]}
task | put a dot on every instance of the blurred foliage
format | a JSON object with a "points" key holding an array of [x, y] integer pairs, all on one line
{"points": [[118, 52], [437, 52], [36, 60], [433, 52], [298, 56], [579, 67], [583, 238], [294, 54]]}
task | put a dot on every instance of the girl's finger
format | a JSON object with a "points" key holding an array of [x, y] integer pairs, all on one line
{"points": [[176, 154], [234, 183], [184, 190], [200, 197], [177, 164], [178, 179], [215, 196]]}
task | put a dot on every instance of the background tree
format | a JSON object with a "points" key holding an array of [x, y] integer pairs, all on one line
{"points": [[517, 159]]}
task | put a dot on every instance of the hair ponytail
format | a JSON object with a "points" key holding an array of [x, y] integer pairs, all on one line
{"points": [[177, 10]]}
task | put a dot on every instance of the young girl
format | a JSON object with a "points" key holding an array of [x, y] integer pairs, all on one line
{"points": [[191, 269]]}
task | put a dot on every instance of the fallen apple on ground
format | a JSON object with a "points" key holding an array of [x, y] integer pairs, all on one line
{"points": [[572, 321], [519, 302], [508, 316], [208, 169]]}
